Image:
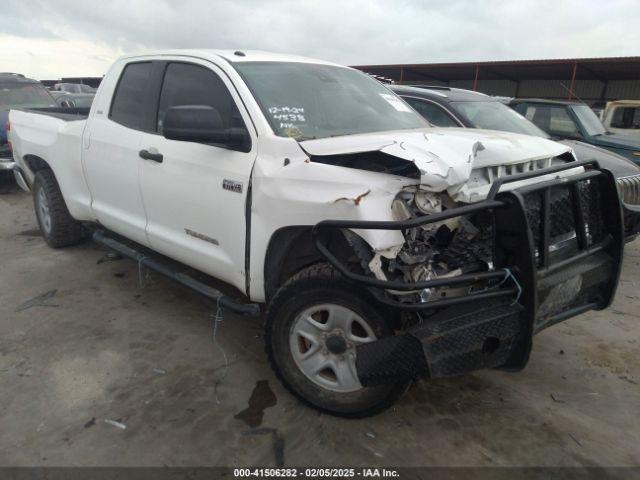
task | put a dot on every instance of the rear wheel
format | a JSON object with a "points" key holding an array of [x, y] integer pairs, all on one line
{"points": [[314, 324], [58, 227]]}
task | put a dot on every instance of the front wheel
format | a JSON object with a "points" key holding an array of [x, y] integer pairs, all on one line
{"points": [[314, 324]]}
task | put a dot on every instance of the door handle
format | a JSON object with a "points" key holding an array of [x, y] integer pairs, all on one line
{"points": [[147, 155]]}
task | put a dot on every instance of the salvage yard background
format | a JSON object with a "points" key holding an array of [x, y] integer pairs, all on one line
{"points": [[81, 343]]}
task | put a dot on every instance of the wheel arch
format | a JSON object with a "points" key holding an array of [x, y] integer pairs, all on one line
{"points": [[291, 249], [34, 164]]}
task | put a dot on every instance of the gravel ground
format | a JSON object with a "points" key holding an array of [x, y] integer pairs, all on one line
{"points": [[94, 347]]}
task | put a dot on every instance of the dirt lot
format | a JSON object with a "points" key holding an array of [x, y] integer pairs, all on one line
{"points": [[93, 345]]}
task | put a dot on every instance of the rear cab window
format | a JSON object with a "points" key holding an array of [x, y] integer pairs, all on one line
{"points": [[626, 117], [129, 98]]}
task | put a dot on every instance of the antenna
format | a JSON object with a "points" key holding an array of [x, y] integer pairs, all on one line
{"points": [[573, 94]]}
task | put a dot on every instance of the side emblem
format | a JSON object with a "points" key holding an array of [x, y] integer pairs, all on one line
{"points": [[232, 185], [201, 236]]}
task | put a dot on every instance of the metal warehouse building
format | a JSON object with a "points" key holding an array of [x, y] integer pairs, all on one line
{"points": [[594, 80]]}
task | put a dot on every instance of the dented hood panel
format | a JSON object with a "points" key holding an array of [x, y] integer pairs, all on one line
{"points": [[445, 157]]}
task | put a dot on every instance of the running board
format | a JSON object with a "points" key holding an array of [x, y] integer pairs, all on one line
{"points": [[250, 309]]}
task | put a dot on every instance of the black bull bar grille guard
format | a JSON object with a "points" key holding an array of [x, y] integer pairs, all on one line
{"points": [[557, 251]]}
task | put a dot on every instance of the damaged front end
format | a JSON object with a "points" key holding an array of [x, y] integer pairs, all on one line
{"points": [[477, 281]]}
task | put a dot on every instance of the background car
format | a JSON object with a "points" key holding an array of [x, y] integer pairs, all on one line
{"points": [[17, 91], [622, 116], [71, 100], [453, 107], [74, 88], [575, 120]]}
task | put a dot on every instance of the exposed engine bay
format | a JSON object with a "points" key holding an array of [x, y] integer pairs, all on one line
{"points": [[457, 246], [411, 179]]}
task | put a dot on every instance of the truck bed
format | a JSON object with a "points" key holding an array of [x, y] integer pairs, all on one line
{"points": [[66, 114], [54, 136]]}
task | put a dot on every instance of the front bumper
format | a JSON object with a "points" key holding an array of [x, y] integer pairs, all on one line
{"points": [[534, 284]]}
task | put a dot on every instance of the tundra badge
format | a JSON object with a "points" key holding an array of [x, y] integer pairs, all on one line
{"points": [[232, 185], [188, 231]]}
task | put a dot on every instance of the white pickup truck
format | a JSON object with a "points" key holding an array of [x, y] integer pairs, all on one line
{"points": [[381, 248]]}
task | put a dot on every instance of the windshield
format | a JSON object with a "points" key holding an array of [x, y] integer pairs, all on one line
{"points": [[497, 116], [589, 120], [305, 101], [24, 95]]}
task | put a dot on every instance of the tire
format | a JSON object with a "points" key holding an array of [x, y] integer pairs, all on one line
{"points": [[316, 292], [58, 227]]}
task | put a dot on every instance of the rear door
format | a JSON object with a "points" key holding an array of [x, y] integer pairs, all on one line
{"points": [[195, 196], [111, 146]]}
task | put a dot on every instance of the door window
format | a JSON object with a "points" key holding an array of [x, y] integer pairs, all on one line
{"points": [[552, 119], [433, 113], [127, 107], [187, 84]]}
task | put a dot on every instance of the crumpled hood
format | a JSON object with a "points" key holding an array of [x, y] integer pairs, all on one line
{"points": [[444, 156]]}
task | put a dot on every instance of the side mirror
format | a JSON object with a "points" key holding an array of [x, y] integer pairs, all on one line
{"points": [[200, 123]]}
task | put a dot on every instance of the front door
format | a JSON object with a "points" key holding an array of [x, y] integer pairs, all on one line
{"points": [[195, 193]]}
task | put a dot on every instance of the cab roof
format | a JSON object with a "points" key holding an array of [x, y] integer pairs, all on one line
{"points": [[8, 77], [631, 103], [547, 101], [442, 93], [234, 56]]}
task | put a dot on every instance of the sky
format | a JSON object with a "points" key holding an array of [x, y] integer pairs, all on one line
{"points": [[48, 39]]}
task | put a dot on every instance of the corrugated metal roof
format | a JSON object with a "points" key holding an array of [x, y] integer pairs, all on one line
{"points": [[603, 69]]}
